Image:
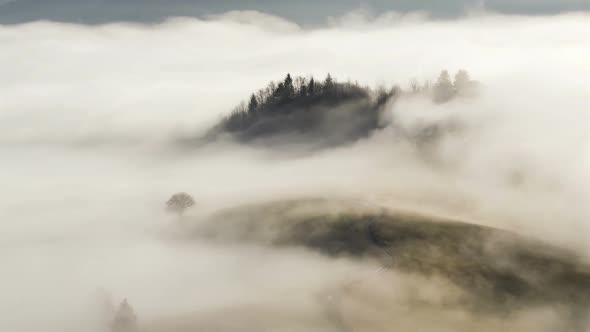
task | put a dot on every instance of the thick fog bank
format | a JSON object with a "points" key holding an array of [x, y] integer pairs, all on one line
{"points": [[90, 117]]}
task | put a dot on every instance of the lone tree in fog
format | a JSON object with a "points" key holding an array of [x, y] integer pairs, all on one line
{"points": [[179, 202], [125, 319]]}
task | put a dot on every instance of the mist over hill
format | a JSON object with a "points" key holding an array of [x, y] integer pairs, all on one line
{"points": [[300, 112], [500, 274]]}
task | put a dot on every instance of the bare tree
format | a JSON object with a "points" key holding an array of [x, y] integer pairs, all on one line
{"points": [[261, 97], [300, 86], [179, 202]]}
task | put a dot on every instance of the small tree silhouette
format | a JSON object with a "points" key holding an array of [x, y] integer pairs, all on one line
{"points": [[311, 88], [443, 89], [461, 80], [125, 319], [179, 202], [253, 104], [289, 91], [329, 84]]}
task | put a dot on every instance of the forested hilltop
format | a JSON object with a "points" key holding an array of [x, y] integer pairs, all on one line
{"points": [[326, 112]]}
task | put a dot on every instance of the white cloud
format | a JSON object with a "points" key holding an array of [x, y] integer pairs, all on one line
{"points": [[77, 215]]}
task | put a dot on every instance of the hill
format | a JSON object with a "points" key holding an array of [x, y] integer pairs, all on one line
{"points": [[300, 110], [499, 272], [305, 112]]}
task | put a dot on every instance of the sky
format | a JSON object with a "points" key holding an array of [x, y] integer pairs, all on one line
{"points": [[304, 12]]}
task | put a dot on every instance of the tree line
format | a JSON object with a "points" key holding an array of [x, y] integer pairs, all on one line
{"points": [[301, 88], [445, 89], [315, 108], [290, 93]]}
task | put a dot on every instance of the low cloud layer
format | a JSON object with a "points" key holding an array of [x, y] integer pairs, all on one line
{"points": [[305, 12], [89, 117]]}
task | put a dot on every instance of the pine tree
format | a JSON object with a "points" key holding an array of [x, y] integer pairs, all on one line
{"points": [[329, 83], [253, 104], [461, 80], [280, 90], [443, 89], [311, 87], [289, 89]]}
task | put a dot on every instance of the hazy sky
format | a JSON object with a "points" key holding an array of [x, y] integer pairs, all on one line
{"points": [[302, 11]]}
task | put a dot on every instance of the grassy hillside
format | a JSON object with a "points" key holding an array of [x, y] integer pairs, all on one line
{"points": [[500, 271]]}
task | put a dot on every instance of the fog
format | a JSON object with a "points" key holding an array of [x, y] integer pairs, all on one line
{"points": [[90, 118]]}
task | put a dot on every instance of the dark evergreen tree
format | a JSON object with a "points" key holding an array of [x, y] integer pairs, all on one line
{"points": [[279, 91], [329, 84], [253, 104], [289, 88], [311, 87]]}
